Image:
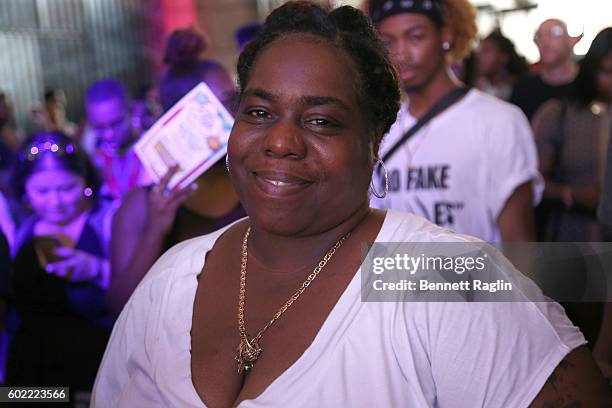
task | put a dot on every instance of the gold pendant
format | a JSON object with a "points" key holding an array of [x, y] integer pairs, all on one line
{"points": [[247, 354]]}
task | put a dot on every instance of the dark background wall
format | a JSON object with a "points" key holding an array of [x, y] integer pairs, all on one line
{"points": [[68, 44]]}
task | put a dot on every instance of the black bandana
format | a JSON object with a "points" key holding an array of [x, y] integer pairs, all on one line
{"points": [[381, 9]]}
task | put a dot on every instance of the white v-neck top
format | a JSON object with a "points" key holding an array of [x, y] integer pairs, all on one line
{"points": [[394, 354]]}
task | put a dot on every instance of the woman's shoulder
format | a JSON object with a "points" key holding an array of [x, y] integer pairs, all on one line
{"points": [[408, 227], [23, 233], [552, 110]]}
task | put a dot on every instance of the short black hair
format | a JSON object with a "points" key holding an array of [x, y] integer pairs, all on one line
{"points": [[67, 154], [106, 89], [352, 32]]}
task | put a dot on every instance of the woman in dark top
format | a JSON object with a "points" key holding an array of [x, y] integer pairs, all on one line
{"points": [[572, 135], [60, 268], [151, 220], [499, 65]]}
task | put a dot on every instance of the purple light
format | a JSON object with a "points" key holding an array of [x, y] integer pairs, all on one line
{"points": [[69, 149], [54, 148], [47, 145], [34, 150], [87, 192]]}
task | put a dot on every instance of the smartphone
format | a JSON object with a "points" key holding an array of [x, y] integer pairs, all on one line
{"points": [[45, 246]]}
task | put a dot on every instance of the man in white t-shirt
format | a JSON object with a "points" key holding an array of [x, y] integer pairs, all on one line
{"points": [[473, 167]]}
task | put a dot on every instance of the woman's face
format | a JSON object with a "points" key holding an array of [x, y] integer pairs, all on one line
{"points": [[56, 195], [490, 59], [604, 79], [300, 154]]}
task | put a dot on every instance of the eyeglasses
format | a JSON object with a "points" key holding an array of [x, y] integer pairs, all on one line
{"points": [[35, 150], [555, 31]]}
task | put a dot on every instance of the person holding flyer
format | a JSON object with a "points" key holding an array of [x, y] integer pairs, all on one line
{"points": [[269, 312], [173, 214]]}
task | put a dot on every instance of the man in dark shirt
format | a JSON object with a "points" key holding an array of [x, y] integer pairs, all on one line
{"points": [[557, 68]]}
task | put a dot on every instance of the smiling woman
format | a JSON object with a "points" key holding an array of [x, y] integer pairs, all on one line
{"points": [[267, 311], [292, 166]]}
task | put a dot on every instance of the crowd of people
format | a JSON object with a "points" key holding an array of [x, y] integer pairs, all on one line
{"points": [[329, 105]]}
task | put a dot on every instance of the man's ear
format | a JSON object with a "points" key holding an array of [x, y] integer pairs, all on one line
{"points": [[446, 36]]}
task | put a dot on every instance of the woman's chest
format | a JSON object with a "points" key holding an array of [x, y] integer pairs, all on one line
{"points": [[215, 335]]}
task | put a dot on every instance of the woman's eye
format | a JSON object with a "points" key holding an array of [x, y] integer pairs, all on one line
{"points": [[417, 36], [68, 188], [320, 122], [258, 114], [387, 41]]}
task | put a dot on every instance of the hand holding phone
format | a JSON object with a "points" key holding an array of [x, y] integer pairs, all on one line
{"points": [[45, 247], [75, 265]]}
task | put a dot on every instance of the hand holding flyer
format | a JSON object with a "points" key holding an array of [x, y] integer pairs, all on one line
{"points": [[193, 135]]}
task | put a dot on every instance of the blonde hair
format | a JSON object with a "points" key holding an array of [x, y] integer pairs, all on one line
{"points": [[460, 19]]}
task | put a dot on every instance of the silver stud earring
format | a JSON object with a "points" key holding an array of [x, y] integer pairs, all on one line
{"points": [[386, 178], [446, 46]]}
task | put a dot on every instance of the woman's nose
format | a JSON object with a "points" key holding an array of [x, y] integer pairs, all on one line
{"points": [[285, 139], [54, 197]]}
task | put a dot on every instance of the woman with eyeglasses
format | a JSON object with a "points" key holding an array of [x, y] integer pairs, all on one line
{"points": [[61, 267]]}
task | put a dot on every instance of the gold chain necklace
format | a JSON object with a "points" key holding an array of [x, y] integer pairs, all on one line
{"points": [[248, 351]]}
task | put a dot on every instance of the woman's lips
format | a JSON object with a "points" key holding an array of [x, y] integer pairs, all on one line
{"points": [[274, 183]]}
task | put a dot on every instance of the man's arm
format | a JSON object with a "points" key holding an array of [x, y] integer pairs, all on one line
{"points": [[575, 383], [515, 221]]}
